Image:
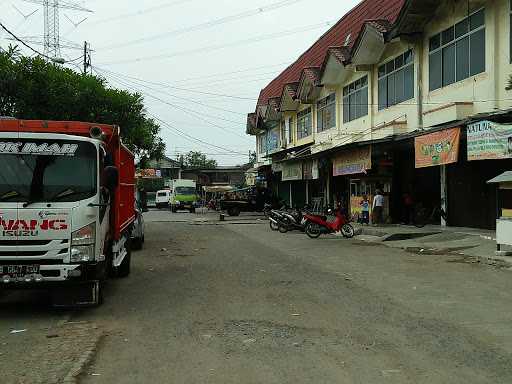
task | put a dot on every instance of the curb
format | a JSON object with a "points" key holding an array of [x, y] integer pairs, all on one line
{"points": [[86, 358], [494, 260]]}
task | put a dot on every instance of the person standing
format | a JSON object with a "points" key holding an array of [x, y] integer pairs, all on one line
{"points": [[378, 207], [365, 211]]}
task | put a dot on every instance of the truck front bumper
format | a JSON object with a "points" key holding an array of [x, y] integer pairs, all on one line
{"points": [[55, 273]]}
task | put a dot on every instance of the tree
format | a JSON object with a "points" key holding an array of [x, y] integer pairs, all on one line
{"points": [[32, 88], [197, 159]]}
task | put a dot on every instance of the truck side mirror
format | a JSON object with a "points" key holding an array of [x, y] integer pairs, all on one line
{"points": [[110, 178]]}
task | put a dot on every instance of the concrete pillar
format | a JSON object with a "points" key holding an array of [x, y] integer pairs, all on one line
{"points": [[291, 199], [444, 193], [328, 190]]}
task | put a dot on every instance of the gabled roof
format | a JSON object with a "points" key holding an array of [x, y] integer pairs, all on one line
{"points": [[343, 33], [164, 163]]}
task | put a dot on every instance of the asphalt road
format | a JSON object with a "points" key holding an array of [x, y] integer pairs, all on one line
{"points": [[237, 303]]}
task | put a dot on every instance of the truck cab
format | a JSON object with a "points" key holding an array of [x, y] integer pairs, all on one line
{"points": [[60, 200], [183, 195]]}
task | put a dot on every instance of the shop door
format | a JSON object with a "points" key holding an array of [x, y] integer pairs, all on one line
{"points": [[298, 194]]}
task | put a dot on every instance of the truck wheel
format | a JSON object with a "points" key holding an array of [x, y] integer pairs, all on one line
{"points": [[124, 269], [234, 211], [137, 243], [192, 210]]}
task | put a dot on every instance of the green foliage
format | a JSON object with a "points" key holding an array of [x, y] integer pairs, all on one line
{"points": [[196, 159], [32, 88]]}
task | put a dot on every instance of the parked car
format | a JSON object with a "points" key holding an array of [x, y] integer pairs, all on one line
{"points": [[162, 198], [138, 227]]}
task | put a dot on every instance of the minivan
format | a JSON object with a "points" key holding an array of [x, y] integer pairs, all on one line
{"points": [[162, 198]]}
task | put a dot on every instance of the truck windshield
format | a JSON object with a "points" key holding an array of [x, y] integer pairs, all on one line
{"points": [[185, 191], [47, 170]]}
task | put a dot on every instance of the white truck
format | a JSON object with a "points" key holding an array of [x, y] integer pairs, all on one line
{"points": [[183, 195], [66, 208]]}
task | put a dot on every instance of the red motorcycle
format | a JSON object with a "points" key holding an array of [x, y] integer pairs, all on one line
{"points": [[315, 225]]}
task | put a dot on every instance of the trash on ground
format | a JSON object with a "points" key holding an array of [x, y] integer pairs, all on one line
{"points": [[18, 331]]}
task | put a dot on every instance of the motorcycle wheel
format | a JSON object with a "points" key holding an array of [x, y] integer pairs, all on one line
{"points": [[283, 228], [273, 226], [347, 230], [313, 230]]}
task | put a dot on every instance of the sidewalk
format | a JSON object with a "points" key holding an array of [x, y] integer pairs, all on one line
{"points": [[473, 245]]}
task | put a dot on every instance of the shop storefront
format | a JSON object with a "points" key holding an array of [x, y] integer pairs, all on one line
{"points": [[358, 173], [485, 152]]}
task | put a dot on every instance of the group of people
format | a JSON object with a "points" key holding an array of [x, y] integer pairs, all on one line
{"points": [[377, 209]]}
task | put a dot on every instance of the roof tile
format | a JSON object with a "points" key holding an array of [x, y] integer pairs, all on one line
{"points": [[348, 27]]}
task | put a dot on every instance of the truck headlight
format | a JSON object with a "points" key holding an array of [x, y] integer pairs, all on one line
{"points": [[82, 253], [82, 243]]}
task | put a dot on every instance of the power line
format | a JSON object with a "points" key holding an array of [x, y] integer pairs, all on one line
{"points": [[26, 45], [188, 137], [208, 24], [177, 97], [187, 110], [183, 89], [140, 12], [275, 35], [218, 75]]}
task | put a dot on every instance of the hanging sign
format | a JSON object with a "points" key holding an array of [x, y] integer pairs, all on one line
{"points": [[353, 161], [489, 141], [437, 148], [292, 171]]}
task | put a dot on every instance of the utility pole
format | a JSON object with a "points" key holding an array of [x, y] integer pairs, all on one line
{"points": [[87, 57]]}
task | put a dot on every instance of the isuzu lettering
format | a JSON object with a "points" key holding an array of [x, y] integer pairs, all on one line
{"points": [[67, 194]]}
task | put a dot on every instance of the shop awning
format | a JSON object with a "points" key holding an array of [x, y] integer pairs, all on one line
{"points": [[218, 188], [505, 177]]}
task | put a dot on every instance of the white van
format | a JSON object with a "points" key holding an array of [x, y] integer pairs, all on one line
{"points": [[162, 198]]}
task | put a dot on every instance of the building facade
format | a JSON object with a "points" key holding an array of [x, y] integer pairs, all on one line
{"points": [[405, 96]]}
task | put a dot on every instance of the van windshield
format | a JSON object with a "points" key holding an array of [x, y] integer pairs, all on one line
{"points": [[185, 191], [162, 194], [47, 170]]}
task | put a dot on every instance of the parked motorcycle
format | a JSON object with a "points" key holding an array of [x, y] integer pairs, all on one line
{"points": [[274, 219], [315, 225], [291, 220]]}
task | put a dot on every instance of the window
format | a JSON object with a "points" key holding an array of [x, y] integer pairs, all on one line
{"points": [[290, 130], [262, 143], [284, 132], [355, 100], [326, 113], [396, 80], [304, 123], [458, 52]]}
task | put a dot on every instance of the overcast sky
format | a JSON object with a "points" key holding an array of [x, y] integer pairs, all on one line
{"points": [[194, 45]]}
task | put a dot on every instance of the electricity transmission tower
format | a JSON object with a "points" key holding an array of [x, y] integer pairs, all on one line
{"points": [[51, 36]]}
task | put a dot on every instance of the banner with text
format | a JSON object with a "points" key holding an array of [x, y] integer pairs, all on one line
{"points": [[353, 161], [437, 148], [292, 171], [489, 141]]}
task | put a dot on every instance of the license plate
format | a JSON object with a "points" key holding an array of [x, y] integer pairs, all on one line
{"points": [[18, 270]]}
